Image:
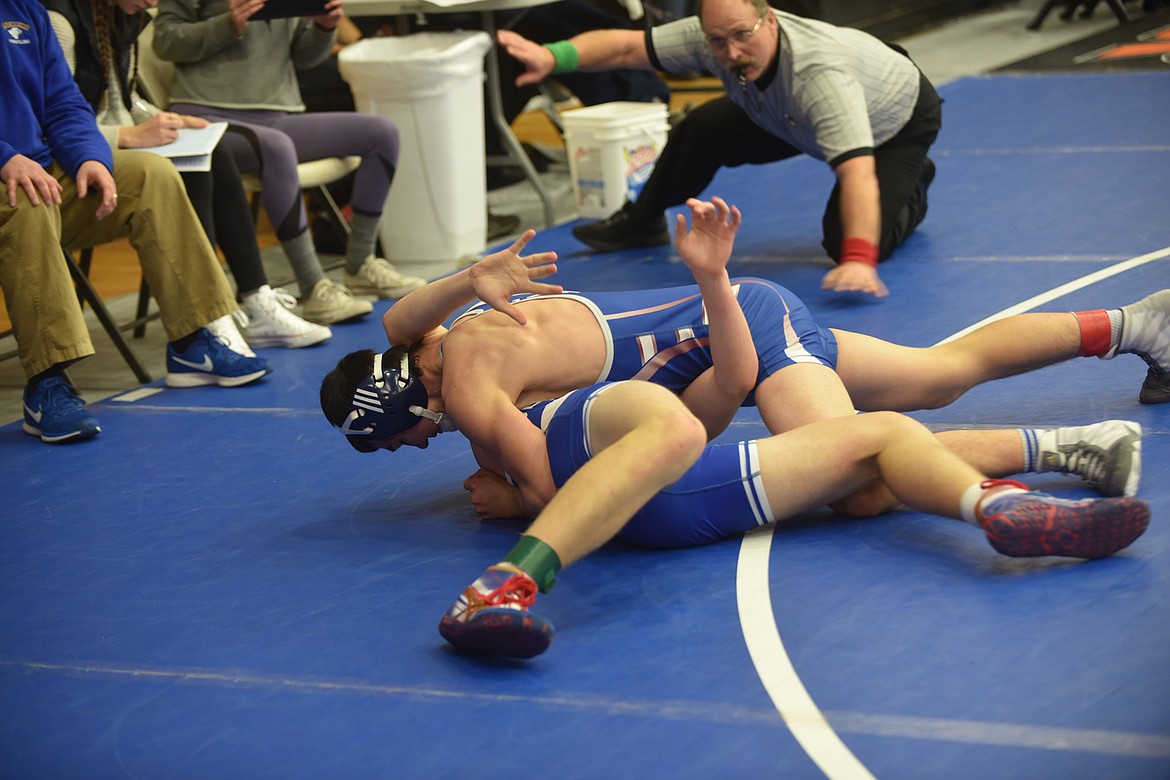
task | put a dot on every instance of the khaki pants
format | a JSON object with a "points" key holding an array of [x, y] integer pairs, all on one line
{"points": [[153, 211]]}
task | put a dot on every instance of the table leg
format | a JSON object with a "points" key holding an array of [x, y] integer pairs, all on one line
{"points": [[495, 110]]}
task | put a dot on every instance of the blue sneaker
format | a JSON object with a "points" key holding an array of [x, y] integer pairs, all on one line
{"points": [[208, 361], [54, 411], [1031, 524], [491, 617]]}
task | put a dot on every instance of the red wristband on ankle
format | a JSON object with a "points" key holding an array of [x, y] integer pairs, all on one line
{"points": [[1096, 332], [859, 250]]}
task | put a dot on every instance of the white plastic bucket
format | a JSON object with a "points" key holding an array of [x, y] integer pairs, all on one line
{"points": [[612, 148], [431, 85]]}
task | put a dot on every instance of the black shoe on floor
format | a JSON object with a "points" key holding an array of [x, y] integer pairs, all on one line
{"points": [[500, 225], [619, 231]]}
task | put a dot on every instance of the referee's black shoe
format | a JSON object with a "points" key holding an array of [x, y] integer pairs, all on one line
{"points": [[622, 231]]}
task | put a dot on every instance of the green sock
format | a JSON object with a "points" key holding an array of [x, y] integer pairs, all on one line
{"points": [[537, 559]]}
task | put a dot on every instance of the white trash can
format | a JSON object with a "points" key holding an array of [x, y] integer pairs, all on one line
{"points": [[431, 85]]}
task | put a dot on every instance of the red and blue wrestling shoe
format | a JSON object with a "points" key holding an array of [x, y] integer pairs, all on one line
{"points": [[491, 617], [1031, 524]]}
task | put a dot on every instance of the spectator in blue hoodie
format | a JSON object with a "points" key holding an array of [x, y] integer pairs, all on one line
{"points": [[61, 185]]}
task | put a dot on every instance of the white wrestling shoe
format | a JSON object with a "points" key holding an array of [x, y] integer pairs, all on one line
{"points": [[379, 277], [227, 330], [271, 324], [1145, 332], [1107, 455]]}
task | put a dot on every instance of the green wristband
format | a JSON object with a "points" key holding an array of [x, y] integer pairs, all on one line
{"points": [[564, 56], [537, 559]]}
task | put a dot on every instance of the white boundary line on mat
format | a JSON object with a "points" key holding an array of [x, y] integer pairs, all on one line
{"points": [[758, 620]]}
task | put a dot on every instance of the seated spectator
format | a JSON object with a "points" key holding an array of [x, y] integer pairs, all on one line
{"points": [[212, 44], [99, 40], [63, 186]]}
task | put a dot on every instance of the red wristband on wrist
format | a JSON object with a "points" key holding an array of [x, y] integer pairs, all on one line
{"points": [[859, 250]]}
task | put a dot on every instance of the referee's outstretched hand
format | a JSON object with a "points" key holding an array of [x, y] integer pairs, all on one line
{"points": [[855, 277]]}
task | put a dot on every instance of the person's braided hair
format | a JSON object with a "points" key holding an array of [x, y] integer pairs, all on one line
{"points": [[103, 22]]}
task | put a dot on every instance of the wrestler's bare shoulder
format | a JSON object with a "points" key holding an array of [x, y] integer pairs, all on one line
{"points": [[561, 346]]}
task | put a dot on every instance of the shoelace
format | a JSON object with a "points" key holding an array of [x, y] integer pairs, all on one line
{"points": [[222, 353], [59, 396], [517, 589], [283, 297], [277, 306], [380, 272], [333, 292], [1087, 461], [241, 319]]}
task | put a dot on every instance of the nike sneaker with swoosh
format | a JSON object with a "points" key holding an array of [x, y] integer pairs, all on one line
{"points": [[209, 361], [56, 413]]}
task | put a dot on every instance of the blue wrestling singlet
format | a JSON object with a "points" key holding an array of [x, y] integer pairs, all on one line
{"points": [[662, 336], [720, 496]]}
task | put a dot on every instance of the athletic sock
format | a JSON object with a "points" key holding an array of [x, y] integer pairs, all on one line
{"points": [[302, 256], [1100, 332], [181, 344], [1030, 439], [363, 234], [537, 560], [55, 370]]}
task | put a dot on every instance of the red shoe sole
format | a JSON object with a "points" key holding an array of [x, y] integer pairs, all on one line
{"points": [[1097, 529]]}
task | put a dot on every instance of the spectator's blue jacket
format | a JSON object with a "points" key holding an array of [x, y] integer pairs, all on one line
{"points": [[42, 113]]}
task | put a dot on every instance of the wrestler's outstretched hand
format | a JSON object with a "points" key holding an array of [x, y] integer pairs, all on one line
{"points": [[503, 274], [706, 247]]}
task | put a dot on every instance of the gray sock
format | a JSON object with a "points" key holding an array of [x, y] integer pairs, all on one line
{"points": [[363, 234], [302, 256]]}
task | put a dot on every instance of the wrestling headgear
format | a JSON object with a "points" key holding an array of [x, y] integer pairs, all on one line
{"points": [[386, 402]]}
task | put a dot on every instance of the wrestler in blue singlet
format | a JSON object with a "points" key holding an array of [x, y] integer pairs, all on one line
{"points": [[662, 336], [721, 495]]}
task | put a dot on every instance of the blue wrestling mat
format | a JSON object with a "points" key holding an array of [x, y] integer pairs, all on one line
{"points": [[219, 587]]}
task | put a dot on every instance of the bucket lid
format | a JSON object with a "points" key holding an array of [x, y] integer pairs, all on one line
{"points": [[616, 114]]}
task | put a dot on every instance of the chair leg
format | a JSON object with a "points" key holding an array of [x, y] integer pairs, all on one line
{"points": [[255, 208], [334, 210], [1118, 10], [140, 317], [84, 261], [1043, 14], [86, 291]]}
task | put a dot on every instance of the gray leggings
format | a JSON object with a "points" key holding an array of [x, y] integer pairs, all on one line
{"points": [[271, 143]]}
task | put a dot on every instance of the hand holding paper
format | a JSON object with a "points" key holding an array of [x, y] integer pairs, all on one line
{"points": [[191, 151]]}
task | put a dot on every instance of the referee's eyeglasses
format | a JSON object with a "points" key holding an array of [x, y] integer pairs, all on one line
{"points": [[738, 37]]}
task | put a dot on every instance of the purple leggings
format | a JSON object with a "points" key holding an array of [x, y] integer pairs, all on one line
{"points": [[271, 143]]}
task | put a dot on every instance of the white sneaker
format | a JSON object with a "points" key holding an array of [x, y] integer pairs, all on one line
{"points": [[378, 277], [329, 302], [271, 324], [1107, 455], [1145, 332], [225, 329]]}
